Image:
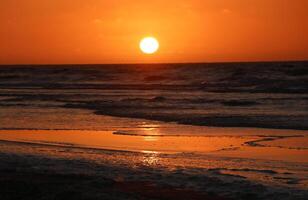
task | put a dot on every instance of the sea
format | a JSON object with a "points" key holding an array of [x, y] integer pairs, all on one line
{"points": [[267, 95]]}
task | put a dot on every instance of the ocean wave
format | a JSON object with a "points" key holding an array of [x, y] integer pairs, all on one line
{"points": [[219, 94]]}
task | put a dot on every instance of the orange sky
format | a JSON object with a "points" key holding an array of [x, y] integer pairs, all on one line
{"points": [[108, 31]]}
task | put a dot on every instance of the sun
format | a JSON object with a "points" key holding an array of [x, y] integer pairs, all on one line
{"points": [[149, 45]]}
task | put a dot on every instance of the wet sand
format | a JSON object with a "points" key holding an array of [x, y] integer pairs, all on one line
{"points": [[141, 163], [59, 186], [18, 182]]}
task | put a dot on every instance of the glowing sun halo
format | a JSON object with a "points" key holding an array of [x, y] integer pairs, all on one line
{"points": [[149, 45]]}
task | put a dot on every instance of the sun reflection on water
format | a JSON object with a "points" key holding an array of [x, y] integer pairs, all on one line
{"points": [[150, 158], [151, 138], [150, 129]]}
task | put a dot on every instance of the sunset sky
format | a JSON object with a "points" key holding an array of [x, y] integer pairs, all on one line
{"points": [[109, 31]]}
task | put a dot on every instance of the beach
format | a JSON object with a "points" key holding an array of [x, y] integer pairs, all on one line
{"points": [[180, 131], [134, 163], [122, 174]]}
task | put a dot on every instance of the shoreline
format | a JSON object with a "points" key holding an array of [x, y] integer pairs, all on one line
{"points": [[135, 174], [242, 143]]}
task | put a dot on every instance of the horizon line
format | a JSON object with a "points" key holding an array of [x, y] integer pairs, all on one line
{"points": [[154, 63]]}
